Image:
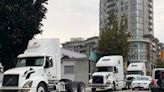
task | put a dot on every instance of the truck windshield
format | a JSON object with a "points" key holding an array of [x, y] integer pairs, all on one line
{"points": [[104, 69], [30, 61], [135, 72]]}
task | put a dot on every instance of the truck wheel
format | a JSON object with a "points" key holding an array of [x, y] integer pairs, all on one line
{"points": [[68, 85], [41, 88], [80, 87], [93, 89]]}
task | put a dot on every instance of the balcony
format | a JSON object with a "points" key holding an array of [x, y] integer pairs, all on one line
{"points": [[151, 16], [149, 34], [150, 22], [150, 5], [150, 10], [138, 39]]}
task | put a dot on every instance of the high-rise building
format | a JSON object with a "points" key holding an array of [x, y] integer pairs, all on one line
{"points": [[140, 26]]}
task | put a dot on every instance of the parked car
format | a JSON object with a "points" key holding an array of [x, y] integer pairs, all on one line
{"points": [[157, 84], [141, 82]]}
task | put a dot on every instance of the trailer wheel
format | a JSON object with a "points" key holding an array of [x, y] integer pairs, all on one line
{"points": [[80, 87], [41, 88]]}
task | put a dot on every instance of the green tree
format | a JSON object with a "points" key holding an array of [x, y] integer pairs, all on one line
{"points": [[113, 37], [20, 20], [159, 63]]}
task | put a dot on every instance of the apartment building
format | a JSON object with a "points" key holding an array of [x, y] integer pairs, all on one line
{"points": [[140, 27], [82, 46]]}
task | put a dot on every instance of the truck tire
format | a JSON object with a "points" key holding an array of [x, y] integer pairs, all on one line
{"points": [[80, 87], [41, 88], [93, 89], [68, 85]]}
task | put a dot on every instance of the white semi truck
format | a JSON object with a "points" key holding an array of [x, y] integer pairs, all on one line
{"points": [[109, 75], [134, 70], [39, 70]]}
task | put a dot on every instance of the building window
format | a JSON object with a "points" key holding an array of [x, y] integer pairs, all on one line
{"points": [[69, 69]]}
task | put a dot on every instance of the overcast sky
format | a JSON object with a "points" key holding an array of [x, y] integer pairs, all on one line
{"points": [[80, 18]]}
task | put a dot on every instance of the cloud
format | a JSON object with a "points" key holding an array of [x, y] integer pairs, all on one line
{"points": [[159, 19], [72, 18], [80, 18]]}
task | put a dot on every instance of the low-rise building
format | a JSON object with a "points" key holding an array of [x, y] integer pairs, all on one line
{"points": [[82, 46]]}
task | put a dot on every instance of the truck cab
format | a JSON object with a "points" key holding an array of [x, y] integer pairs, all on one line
{"points": [[134, 70], [109, 74], [39, 70]]}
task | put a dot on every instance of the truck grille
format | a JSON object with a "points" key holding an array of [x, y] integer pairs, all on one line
{"points": [[10, 80], [98, 80]]}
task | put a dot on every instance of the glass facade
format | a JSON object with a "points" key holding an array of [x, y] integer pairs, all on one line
{"points": [[140, 25], [138, 52], [137, 18]]}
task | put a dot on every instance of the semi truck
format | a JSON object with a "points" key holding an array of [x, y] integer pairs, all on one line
{"points": [[39, 70], [134, 70], [109, 74]]}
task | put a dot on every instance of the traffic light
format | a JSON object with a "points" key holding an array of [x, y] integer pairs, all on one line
{"points": [[162, 54]]}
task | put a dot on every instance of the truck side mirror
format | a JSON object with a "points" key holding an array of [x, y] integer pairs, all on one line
{"points": [[115, 70], [1, 69], [46, 64], [49, 62]]}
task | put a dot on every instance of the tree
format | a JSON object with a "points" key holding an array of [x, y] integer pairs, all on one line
{"points": [[159, 63], [113, 37], [20, 20]]}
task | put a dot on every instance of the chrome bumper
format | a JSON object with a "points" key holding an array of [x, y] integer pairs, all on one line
{"points": [[17, 89], [99, 85]]}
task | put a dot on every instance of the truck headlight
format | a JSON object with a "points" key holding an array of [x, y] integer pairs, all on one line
{"points": [[28, 84]]}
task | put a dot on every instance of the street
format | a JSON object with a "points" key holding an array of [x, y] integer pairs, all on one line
{"points": [[88, 90]]}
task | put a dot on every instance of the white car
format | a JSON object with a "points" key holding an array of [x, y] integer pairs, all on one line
{"points": [[141, 82]]}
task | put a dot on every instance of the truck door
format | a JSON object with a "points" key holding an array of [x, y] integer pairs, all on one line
{"points": [[49, 68]]}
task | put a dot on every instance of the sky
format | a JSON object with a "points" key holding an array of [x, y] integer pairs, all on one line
{"points": [[80, 18]]}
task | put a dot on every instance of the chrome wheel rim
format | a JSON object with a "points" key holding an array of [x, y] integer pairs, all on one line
{"points": [[41, 89]]}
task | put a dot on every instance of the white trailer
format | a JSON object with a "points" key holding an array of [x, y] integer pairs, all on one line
{"points": [[39, 70], [109, 75]]}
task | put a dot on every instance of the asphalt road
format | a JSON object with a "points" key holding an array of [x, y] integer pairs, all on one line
{"points": [[88, 90]]}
